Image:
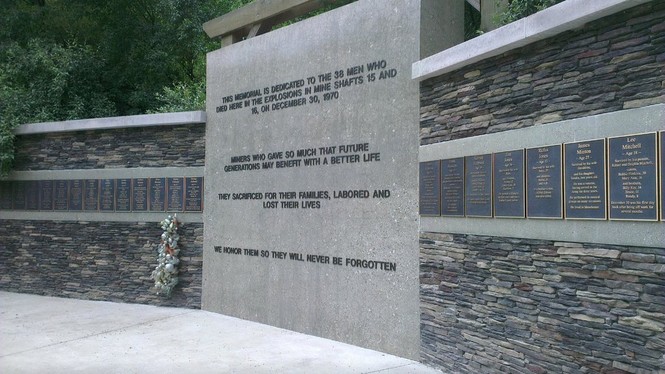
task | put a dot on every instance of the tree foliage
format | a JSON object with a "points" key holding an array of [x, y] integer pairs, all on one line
{"points": [[517, 9]]}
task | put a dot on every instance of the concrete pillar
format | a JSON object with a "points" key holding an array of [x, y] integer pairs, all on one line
{"points": [[441, 25]]}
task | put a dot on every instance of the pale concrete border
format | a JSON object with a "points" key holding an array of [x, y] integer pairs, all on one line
{"points": [[625, 122], [22, 215], [143, 120], [564, 16]]}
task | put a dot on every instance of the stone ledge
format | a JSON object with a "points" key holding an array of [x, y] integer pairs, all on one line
{"points": [[564, 16]]}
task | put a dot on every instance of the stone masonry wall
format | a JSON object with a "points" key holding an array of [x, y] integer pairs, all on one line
{"points": [[167, 146], [615, 63], [491, 304], [109, 261]]}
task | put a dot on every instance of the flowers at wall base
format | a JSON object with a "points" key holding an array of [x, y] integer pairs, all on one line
{"points": [[165, 274]]}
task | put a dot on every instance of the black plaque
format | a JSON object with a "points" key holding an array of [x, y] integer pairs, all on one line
{"points": [[140, 194], [32, 195], [176, 194], [157, 194], [106, 195], [478, 185], [543, 182], [430, 188], [632, 175], [76, 195], [509, 184], [6, 198], [46, 189], [193, 194], [123, 195], [584, 180], [662, 175], [452, 187], [19, 193], [91, 199], [61, 194]]}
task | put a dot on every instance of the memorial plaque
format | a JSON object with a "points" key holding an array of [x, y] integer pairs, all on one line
{"points": [[478, 186], [76, 195], [46, 190], [633, 177], [312, 177], [452, 187], [509, 184], [157, 194], [32, 195], [176, 194], [6, 195], [91, 199], [584, 180], [193, 194], [123, 195], [140, 194], [61, 195], [543, 182], [20, 195], [662, 175], [107, 195], [430, 188]]}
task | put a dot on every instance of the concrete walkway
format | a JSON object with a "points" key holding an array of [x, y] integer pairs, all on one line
{"points": [[41, 334]]}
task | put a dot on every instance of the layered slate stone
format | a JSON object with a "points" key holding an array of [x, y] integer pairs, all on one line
{"points": [[312, 177]]}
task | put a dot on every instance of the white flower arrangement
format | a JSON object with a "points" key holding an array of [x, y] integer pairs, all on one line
{"points": [[166, 272]]}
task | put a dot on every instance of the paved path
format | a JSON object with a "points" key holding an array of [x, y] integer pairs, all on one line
{"points": [[41, 334]]}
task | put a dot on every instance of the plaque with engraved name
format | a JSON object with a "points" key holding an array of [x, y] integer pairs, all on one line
{"points": [[509, 184], [6, 198], [157, 194], [452, 187], [176, 194], [193, 194], [32, 195], [478, 185], [430, 188], [123, 195], [61, 195], [662, 175], [584, 180], [140, 194], [632, 175], [19, 194], [76, 194], [543, 182], [106, 195], [46, 190], [91, 199]]}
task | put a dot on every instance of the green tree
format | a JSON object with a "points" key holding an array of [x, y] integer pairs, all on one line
{"points": [[517, 9]]}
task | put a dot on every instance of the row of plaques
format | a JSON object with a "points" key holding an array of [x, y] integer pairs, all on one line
{"points": [[179, 194], [620, 178]]}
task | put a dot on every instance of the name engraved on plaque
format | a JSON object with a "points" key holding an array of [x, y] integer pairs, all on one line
{"points": [[46, 194], [633, 177], [430, 188], [6, 197], [543, 182], [509, 184], [157, 194], [106, 195], [123, 195], [32, 195], [193, 194], [140, 194], [452, 187], [584, 180], [91, 199], [19, 194], [478, 186], [76, 194], [61, 195], [176, 194]]}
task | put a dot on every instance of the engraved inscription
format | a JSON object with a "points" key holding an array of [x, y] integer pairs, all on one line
{"points": [[430, 193], [544, 197], [478, 186], [584, 180], [452, 187], [509, 184]]}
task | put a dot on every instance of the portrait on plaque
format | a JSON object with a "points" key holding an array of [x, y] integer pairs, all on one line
{"points": [[584, 180], [478, 186], [632, 175], [509, 184], [430, 188], [543, 182], [452, 187]]}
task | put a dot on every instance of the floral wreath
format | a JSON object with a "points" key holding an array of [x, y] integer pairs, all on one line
{"points": [[166, 271]]}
